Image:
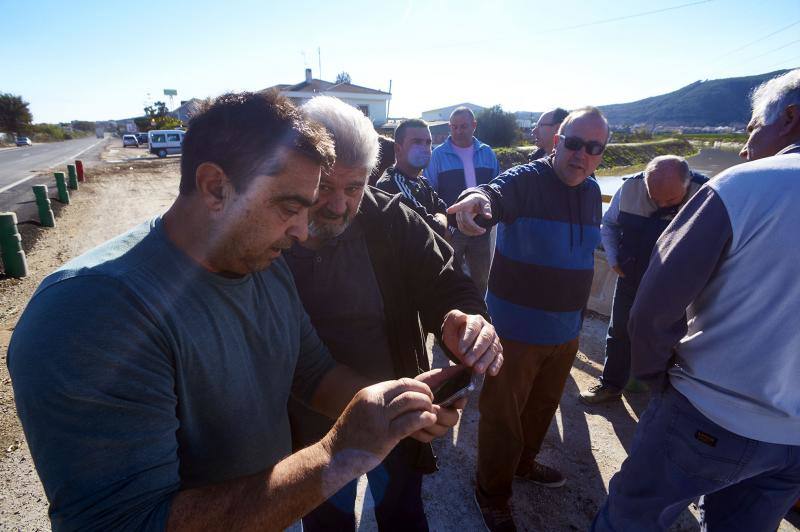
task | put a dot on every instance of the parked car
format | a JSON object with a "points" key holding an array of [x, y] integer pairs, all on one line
{"points": [[129, 140], [24, 141], [142, 138], [164, 142]]}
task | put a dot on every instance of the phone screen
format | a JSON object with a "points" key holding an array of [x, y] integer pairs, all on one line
{"points": [[451, 386]]}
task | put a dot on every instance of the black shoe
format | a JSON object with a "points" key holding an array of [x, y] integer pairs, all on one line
{"points": [[496, 518], [599, 393], [541, 474]]}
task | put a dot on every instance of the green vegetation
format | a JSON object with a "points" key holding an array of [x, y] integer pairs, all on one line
{"points": [[716, 137], [15, 117], [156, 117], [53, 133], [496, 127], [642, 152], [615, 157]]}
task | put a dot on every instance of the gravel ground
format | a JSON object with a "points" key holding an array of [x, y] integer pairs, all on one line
{"points": [[587, 444]]}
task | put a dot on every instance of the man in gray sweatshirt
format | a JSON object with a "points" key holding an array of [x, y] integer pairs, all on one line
{"points": [[725, 422]]}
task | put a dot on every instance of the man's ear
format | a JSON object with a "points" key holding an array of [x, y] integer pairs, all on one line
{"points": [[790, 120], [213, 185]]}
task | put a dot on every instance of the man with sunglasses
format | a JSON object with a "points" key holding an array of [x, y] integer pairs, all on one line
{"points": [[545, 130], [549, 214]]}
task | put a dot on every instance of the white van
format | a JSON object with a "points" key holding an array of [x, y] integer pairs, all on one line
{"points": [[163, 142]]}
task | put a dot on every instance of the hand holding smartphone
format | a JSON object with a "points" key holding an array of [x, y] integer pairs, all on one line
{"points": [[456, 387]]}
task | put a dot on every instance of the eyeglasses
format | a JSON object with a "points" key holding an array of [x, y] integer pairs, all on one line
{"points": [[576, 143]]}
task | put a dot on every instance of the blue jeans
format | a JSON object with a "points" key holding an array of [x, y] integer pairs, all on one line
{"points": [[476, 252], [679, 455], [617, 366], [397, 491]]}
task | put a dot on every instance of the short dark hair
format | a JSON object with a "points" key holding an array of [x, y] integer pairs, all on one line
{"points": [[559, 114], [247, 134], [400, 132]]}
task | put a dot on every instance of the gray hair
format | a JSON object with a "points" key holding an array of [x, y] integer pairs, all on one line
{"points": [[463, 110], [577, 113], [772, 97], [355, 139], [683, 166]]}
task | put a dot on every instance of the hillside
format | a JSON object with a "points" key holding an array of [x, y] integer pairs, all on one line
{"points": [[717, 102]]}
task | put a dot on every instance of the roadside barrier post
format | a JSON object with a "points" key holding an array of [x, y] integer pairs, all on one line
{"points": [[43, 203], [11, 246], [72, 180], [61, 185], [79, 168]]}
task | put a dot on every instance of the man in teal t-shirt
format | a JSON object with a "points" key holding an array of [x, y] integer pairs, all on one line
{"points": [[152, 374]]}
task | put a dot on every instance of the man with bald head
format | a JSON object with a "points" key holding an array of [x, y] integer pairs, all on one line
{"points": [[639, 212], [549, 215]]}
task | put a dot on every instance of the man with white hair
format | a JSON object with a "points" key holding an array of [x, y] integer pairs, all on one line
{"points": [[639, 212], [370, 273], [725, 421]]}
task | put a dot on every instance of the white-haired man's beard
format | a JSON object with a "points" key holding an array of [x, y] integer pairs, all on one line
{"points": [[325, 224]]}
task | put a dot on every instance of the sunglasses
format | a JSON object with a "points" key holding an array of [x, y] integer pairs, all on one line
{"points": [[576, 143]]}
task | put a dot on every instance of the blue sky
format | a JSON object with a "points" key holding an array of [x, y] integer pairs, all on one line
{"points": [[100, 60]]}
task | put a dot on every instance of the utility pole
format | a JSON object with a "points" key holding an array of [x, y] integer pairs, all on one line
{"points": [[319, 57]]}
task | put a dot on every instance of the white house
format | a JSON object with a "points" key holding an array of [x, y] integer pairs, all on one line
{"points": [[372, 102], [443, 113]]}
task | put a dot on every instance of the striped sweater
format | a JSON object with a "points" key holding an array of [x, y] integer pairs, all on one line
{"points": [[544, 261]]}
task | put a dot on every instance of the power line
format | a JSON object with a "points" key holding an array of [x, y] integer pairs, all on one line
{"points": [[795, 23], [796, 58], [774, 50], [625, 17], [578, 26]]}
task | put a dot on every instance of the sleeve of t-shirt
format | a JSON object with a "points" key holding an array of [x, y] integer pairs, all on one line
{"points": [[685, 258], [94, 385]]}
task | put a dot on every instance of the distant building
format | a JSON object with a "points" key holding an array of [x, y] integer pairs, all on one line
{"points": [[440, 129], [372, 102], [443, 113], [526, 119], [186, 110]]}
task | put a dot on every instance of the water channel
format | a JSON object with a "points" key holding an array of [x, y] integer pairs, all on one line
{"points": [[710, 161]]}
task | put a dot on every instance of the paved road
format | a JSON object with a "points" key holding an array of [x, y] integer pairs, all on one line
{"points": [[17, 164], [21, 168]]}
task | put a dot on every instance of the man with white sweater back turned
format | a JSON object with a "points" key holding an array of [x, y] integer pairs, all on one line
{"points": [[725, 424]]}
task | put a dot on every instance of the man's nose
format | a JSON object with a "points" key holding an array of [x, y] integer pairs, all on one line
{"points": [[337, 203], [743, 153], [299, 229]]}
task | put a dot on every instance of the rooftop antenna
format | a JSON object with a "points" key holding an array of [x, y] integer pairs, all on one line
{"points": [[305, 61], [319, 57]]}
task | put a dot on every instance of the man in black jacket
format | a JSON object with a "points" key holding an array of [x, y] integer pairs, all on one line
{"points": [[370, 273], [412, 151]]}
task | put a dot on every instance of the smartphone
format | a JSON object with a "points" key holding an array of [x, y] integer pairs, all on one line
{"points": [[456, 387]]}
